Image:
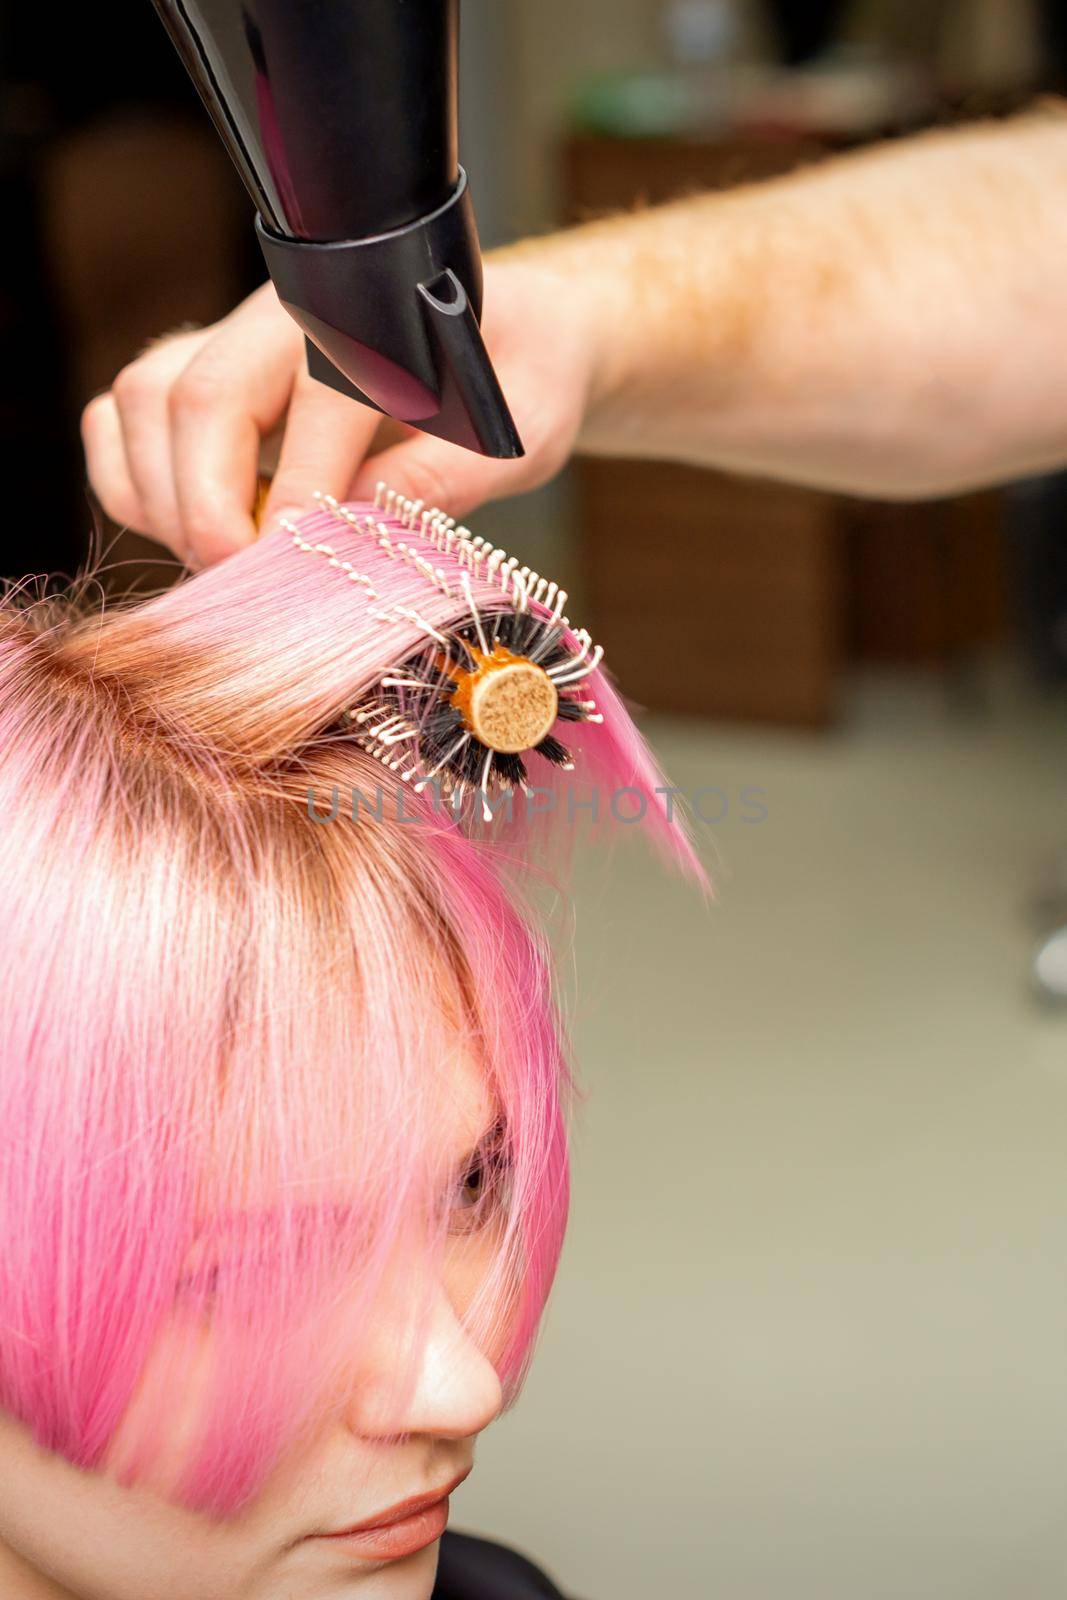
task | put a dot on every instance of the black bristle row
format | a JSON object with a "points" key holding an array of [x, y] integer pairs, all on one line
{"points": [[558, 658], [511, 768], [526, 634], [458, 650], [553, 751], [443, 721], [425, 700], [469, 761]]}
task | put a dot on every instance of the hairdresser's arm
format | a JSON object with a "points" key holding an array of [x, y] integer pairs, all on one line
{"points": [[893, 323]]}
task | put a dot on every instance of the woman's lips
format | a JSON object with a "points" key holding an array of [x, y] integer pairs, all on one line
{"points": [[394, 1540], [401, 1530]]}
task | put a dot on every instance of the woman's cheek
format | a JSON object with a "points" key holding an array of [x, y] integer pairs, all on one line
{"points": [[482, 1287], [168, 1407]]}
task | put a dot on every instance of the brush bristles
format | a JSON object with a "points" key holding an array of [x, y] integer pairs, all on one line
{"points": [[420, 722]]}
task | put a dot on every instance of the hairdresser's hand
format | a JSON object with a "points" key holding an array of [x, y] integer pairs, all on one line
{"points": [[174, 448], [542, 332]]}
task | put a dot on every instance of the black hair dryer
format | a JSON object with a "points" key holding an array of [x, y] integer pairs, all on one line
{"points": [[341, 116]]}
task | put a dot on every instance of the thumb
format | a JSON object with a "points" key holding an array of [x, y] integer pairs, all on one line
{"points": [[455, 480]]}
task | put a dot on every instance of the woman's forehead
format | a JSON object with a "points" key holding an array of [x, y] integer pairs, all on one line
{"points": [[456, 1109], [465, 1100]]}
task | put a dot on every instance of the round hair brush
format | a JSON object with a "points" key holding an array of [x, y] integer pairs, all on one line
{"points": [[490, 687], [490, 690]]}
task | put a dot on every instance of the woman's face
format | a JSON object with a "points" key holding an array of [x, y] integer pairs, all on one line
{"points": [[66, 1534]]}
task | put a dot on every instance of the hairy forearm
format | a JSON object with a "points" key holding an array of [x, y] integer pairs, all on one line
{"points": [[892, 322]]}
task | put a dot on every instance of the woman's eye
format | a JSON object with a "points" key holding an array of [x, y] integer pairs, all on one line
{"points": [[203, 1283], [473, 1185], [482, 1187]]}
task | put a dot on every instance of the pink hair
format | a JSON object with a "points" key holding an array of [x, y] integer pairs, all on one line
{"points": [[214, 1007]]}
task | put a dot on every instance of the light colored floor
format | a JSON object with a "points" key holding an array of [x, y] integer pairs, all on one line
{"points": [[809, 1341]]}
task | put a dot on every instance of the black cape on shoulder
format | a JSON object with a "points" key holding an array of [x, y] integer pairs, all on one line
{"points": [[475, 1569]]}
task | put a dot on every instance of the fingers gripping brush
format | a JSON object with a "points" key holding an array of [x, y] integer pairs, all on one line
{"points": [[490, 691]]}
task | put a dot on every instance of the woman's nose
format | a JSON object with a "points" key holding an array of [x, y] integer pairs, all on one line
{"points": [[451, 1390]]}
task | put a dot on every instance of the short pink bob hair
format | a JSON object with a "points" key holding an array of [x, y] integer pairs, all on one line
{"points": [[217, 1015]]}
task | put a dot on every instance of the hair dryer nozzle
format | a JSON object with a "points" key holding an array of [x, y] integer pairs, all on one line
{"points": [[393, 321]]}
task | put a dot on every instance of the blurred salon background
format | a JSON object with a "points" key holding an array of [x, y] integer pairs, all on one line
{"points": [[810, 1335]]}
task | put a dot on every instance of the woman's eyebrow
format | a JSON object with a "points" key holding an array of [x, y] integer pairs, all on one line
{"points": [[493, 1132], [341, 1200]]}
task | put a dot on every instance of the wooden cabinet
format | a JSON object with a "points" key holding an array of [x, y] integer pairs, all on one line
{"points": [[713, 596]]}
